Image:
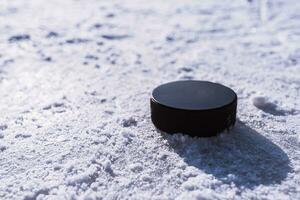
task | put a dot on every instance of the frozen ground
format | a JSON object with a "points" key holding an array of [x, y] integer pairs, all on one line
{"points": [[75, 82]]}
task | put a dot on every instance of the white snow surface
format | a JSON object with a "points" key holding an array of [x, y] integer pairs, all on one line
{"points": [[75, 81]]}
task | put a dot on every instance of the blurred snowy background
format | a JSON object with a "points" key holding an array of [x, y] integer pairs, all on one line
{"points": [[75, 82]]}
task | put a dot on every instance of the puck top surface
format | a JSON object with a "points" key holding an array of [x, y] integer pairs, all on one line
{"points": [[193, 95]]}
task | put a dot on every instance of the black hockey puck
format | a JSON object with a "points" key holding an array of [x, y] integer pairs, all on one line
{"points": [[197, 108]]}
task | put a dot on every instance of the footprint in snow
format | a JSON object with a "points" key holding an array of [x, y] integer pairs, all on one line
{"points": [[129, 122], [264, 104], [23, 135]]}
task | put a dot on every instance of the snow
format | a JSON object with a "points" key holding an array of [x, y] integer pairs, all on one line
{"points": [[75, 83]]}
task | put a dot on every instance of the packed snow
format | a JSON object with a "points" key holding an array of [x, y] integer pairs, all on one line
{"points": [[76, 78]]}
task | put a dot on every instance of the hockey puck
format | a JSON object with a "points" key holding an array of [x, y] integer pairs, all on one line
{"points": [[196, 108]]}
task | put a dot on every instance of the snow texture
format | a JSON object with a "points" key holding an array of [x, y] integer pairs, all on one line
{"points": [[75, 81]]}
